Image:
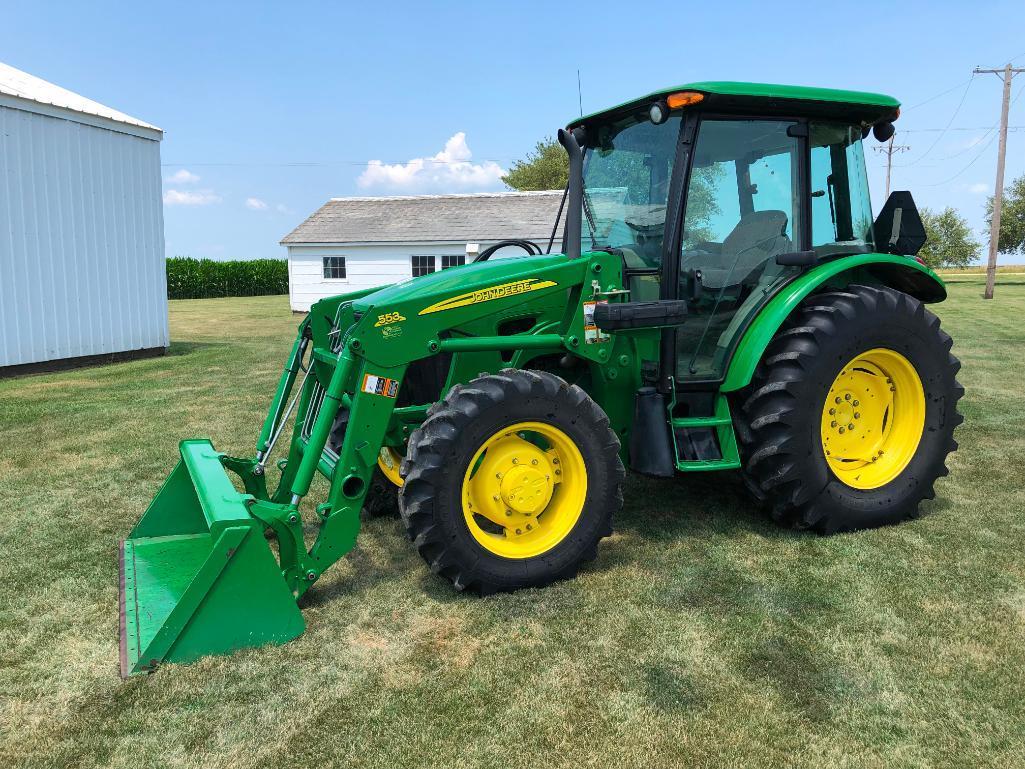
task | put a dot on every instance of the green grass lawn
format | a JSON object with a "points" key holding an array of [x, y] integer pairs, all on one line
{"points": [[702, 636]]}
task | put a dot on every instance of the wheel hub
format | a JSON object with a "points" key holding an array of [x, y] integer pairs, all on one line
{"points": [[524, 490], [872, 418]]}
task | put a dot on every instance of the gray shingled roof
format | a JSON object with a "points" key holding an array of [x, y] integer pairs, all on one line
{"points": [[431, 218]]}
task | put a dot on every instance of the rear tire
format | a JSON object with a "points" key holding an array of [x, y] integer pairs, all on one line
{"points": [[494, 413], [784, 421]]}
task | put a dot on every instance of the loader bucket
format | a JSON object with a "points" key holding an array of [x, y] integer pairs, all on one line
{"points": [[197, 575]]}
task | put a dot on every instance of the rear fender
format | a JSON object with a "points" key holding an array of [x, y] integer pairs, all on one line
{"points": [[899, 272]]}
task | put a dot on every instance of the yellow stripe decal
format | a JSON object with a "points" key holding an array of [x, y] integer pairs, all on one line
{"points": [[488, 294]]}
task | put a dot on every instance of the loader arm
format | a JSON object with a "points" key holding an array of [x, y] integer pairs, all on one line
{"points": [[188, 559]]}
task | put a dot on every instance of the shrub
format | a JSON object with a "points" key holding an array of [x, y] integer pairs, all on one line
{"points": [[189, 278]]}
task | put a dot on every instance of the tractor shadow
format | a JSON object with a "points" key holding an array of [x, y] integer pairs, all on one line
{"points": [[704, 510], [697, 505], [700, 508]]}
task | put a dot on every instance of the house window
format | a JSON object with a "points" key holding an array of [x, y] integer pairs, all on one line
{"points": [[452, 260], [334, 268], [423, 264]]}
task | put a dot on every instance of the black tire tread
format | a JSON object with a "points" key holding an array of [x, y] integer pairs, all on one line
{"points": [[430, 444], [772, 465]]}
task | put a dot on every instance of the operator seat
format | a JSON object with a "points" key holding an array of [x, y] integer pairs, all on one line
{"points": [[758, 237]]}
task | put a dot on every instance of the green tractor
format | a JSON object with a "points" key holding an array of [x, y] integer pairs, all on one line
{"points": [[724, 300]]}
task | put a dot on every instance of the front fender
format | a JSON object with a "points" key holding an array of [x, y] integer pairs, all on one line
{"points": [[897, 272]]}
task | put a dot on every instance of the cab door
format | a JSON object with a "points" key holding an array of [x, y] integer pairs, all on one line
{"points": [[743, 208]]}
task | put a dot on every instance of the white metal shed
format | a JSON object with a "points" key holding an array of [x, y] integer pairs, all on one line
{"points": [[82, 275], [353, 243]]}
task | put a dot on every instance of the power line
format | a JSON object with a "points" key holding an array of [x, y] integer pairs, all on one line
{"points": [[949, 122], [958, 128], [432, 161], [934, 98], [970, 164], [980, 153]]}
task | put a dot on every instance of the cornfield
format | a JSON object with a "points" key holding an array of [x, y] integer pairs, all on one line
{"points": [[189, 278]]}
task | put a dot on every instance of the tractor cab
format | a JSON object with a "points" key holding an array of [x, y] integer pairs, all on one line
{"points": [[717, 194]]}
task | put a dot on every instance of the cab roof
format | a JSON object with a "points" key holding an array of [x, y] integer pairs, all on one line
{"points": [[770, 98]]}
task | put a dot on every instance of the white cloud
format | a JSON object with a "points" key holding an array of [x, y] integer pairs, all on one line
{"points": [[190, 197], [256, 204], [448, 171], [183, 177], [979, 188], [281, 208]]}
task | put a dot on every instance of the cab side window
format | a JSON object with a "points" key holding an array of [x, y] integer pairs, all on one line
{"points": [[743, 210], [841, 211]]}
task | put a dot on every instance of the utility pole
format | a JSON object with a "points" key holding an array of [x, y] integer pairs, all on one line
{"points": [[1006, 74], [889, 150]]}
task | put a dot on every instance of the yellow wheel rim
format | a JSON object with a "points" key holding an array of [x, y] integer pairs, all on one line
{"points": [[873, 418], [524, 489], [389, 460]]}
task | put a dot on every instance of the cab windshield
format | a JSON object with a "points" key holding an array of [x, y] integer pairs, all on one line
{"points": [[627, 167]]}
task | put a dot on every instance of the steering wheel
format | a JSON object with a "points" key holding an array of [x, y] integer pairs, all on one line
{"points": [[532, 248]]}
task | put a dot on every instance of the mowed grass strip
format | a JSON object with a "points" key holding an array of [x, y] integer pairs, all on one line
{"points": [[702, 636]]}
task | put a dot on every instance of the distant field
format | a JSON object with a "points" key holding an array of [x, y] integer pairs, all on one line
{"points": [[981, 270], [703, 636]]}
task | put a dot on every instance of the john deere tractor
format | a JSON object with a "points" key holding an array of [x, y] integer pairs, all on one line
{"points": [[723, 300]]}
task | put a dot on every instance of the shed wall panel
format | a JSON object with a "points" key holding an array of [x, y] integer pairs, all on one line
{"points": [[81, 240]]}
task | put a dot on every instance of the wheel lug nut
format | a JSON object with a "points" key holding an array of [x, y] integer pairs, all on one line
{"points": [[529, 527], [558, 472], [495, 497], [850, 426], [857, 415], [533, 461], [515, 461], [847, 397], [842, 431], [832, 411], [838, 399], [508, 512], [519, 531], [857, 403], [833, 423]]}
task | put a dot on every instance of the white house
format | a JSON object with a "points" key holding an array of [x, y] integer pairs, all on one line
{"points": [[82, 276], [354, 243]]}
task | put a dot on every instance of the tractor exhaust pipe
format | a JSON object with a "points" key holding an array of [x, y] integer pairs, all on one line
{"points": [[570, 140]]}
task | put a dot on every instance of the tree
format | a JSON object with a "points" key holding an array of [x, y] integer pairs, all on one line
{"points": [[949, 239], [1012, 218], [546, 168]]}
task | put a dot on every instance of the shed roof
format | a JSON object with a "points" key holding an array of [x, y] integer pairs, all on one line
{"points": [[431, 218], [21, 85]]}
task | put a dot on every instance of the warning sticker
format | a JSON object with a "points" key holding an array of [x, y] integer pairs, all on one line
{"points": [[592, 334], [379, 385]]}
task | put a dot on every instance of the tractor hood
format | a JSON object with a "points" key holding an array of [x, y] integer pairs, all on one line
{"points": [[456, 281]]}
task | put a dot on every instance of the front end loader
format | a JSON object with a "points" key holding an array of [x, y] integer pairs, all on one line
{"points": [[723, 300]]}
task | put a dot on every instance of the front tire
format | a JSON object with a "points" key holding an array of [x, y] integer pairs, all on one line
{"points": [[511, 482], [850, 417]]}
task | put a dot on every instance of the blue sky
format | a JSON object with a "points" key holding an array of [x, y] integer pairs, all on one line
{"points": [[271, 108]]}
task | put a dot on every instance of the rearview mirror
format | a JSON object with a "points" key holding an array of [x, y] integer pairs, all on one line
{"points": [[898, 229]]}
